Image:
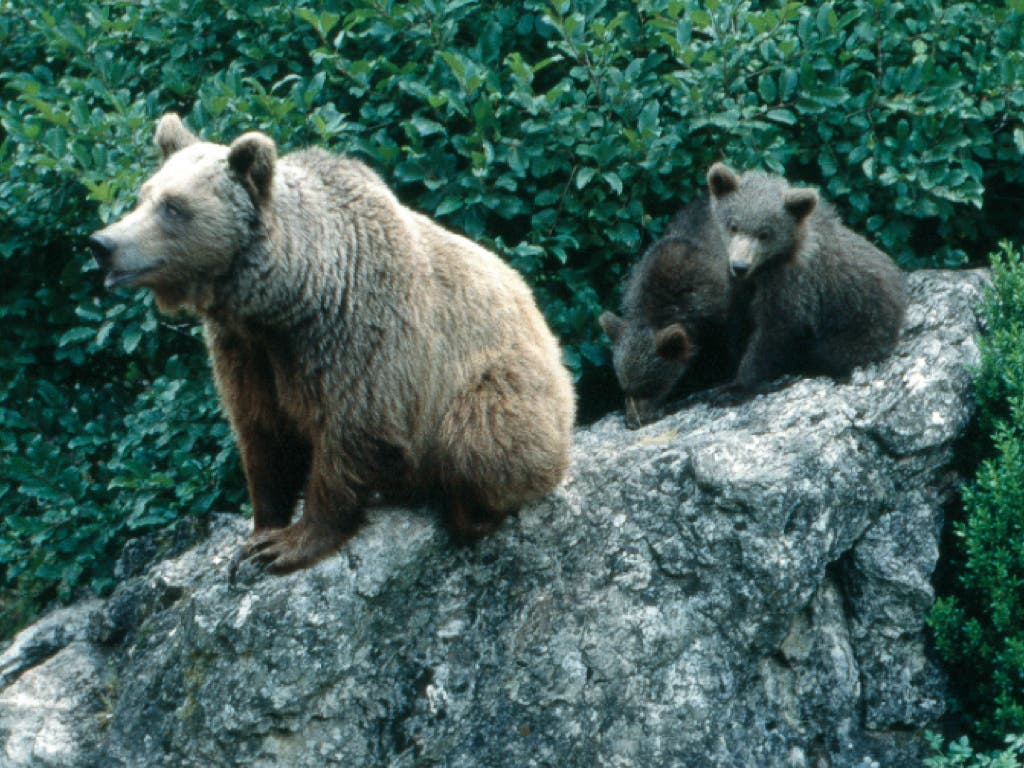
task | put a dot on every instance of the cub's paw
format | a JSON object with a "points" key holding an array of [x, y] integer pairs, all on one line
{"points": [[298, 546], [725, 395]]}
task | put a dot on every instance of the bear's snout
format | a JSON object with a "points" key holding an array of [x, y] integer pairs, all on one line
{"points": [[102, 248], [739, 269]]}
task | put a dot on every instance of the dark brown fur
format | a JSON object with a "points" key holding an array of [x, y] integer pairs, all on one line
{"points": [[675, 334], [822, 299]]}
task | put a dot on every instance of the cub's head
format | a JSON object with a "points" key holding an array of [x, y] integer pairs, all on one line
{"points": [[648, 363], [760, 216], [193, 216], [676, 294]]}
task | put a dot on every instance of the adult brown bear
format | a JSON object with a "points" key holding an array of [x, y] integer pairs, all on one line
{"points": [[360, 349]]}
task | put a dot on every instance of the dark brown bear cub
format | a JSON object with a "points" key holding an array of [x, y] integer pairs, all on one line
{"points": [[360, 350], [822, 299], [674, 334]]}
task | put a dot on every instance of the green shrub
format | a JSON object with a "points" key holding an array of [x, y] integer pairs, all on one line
{"points": [[960, 754], [979, 627], [562, 134]]}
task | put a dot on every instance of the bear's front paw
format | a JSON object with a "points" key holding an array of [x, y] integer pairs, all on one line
{"points": [[300, 545]]}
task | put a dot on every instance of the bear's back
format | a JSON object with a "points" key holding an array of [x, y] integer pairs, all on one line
{"points": [[694, 223], [451, 303], [684, 276], [857, 279], [461, 269]]}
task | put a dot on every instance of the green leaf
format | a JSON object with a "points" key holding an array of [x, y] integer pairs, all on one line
{"points": [[788, 81], [583, 177], [75, 335], [613, 181], [648, 120], [425, 126], [700, 19], [783, 116], [130, 340], [447, 206]]}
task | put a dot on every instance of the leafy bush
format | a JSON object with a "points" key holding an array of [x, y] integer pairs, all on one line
{"points": [[960, 754], [562, 134], [979, 627]]}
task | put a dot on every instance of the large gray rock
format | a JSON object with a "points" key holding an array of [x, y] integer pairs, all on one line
{"points": [[731, 586]]}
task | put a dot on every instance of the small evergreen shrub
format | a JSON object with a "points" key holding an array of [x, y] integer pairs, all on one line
{"points": [[979, 626], [960, 754]]}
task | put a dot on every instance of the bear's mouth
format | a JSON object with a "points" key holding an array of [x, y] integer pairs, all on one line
{"points": [[116, 277]]}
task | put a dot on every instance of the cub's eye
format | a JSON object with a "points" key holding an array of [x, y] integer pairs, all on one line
{"points": [[733, 227], [763, 235]]}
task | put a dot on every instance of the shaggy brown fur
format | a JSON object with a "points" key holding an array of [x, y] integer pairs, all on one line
{"points": [[360, 349]]}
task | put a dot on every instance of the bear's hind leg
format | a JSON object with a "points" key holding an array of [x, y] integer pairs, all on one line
{"points": [[467, 519], [838, 354], [504, 442], [768, 356]]}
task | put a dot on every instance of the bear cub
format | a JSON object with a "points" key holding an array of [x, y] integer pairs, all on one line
{"points": [[362, 352], [819, 298], [676, 333]]}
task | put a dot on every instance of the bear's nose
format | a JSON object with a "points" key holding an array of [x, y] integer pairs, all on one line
{"points": [[739, 269], [102, 249]]}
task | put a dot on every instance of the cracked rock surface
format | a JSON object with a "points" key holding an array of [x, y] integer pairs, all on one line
{"points": [[738, 585]]}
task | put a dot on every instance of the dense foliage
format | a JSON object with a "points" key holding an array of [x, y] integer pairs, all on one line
{"points": [[960, 754], [561, 133], [979, 627]]}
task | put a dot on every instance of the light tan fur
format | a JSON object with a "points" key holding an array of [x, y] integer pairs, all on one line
{"points": [[359, 348]]}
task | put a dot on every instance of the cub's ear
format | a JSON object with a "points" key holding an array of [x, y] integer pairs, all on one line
{"points": [[172, 135], [800, 202], [612, 325], [673, 343], [722, 180], [251, 158]]}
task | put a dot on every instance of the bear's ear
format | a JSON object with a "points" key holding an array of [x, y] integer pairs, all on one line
{"points": [[612, 325], [172, 135], [800, 202], [251, 158], [673, 343], [722, 180]]}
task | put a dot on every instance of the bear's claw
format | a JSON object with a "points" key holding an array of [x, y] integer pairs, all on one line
{"points": [[284, 550]]}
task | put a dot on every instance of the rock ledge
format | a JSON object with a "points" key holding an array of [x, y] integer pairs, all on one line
{"points": [[730, 586]]}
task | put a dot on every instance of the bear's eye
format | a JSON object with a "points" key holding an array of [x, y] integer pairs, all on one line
{"points": [[763, 235], [172, 210], [733, 227]]}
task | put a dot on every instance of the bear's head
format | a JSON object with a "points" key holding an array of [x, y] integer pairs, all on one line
{"points": [[194, 215], [761, 218], [648, 363]]}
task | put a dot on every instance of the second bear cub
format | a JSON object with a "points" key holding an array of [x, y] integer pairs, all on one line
{"points": [[673, 335], [822, 299]]}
